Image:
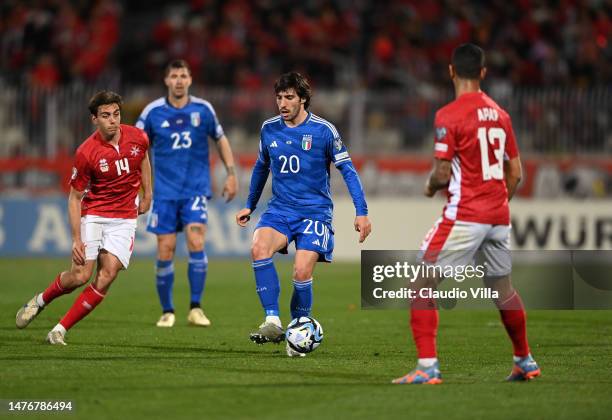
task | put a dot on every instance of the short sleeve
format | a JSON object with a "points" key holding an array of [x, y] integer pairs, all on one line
{"points": [[444, 141], [215, 129], [511, 147], [81, 174]]}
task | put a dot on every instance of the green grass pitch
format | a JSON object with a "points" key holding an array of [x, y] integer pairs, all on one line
{"points": [[119, 365]]}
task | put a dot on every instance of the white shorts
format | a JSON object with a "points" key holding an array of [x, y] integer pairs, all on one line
{"points": [[114, 235], [454, 243]]}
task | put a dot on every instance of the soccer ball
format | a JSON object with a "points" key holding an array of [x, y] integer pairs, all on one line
{"points": [[304, 334]]}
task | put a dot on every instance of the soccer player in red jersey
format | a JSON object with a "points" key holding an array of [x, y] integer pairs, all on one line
{"points": [[110, 168], [477, 160]]}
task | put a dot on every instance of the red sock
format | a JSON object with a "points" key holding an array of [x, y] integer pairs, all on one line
{"points": [[55, 290], [424, 324], [85, 303], [514, 318]]}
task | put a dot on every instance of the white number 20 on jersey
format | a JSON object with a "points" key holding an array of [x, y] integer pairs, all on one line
{"points": [[486, 138]]}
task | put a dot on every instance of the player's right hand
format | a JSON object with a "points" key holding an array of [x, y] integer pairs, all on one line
{"points": [[243, 217], [78, 252]]}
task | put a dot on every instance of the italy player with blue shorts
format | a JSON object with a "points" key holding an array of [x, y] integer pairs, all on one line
{"points": [[298, 147], [179, 127]]}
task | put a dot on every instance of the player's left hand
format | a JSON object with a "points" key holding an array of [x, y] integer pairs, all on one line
{"points": [[144, 205], [363, 226], [230, 188], [428, 191]]}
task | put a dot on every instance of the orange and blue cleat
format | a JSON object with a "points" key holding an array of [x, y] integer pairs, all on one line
{"points": [[524, 369], [421, 375]]}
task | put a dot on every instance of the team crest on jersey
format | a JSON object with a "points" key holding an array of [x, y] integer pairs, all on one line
{"points": [[440, 133], [103, 165], [338, 144], [307, 141], [195, 119], [135, 150]]}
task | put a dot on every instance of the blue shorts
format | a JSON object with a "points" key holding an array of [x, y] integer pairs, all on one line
{"points": [[170, 216], [308, 234]]}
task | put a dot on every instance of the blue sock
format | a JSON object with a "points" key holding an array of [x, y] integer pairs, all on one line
{"points": [[301, 300], [268, 286], [198, 266], [164, 276]]}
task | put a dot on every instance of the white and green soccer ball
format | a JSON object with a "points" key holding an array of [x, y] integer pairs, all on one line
{"points": [[304, 334]]}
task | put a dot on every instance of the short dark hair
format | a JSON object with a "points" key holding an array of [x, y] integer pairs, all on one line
{"points": [[468, 60], [177, 64], [104, 97], [299, 83]]}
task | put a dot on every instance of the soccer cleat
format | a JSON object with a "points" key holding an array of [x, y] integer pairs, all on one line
{"points": [[196, 317], [524, 370], [27, 313], [166, 320], [268, 332], [421, 375], [293, 353], [56, 338]]}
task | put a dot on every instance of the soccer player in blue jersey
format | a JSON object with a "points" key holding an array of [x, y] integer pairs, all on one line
{"points": [[298, 148], [179, 126]]}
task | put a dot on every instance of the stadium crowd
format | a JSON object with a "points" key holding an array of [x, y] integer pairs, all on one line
{"points": [[337, 42]]}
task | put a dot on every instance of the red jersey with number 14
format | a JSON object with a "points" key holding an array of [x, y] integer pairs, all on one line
{"points": [[109, 175], [476, 135]]}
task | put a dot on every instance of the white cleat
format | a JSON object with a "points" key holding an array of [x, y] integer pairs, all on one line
{"points": [[293, 353], [166, 320], [56, 338], [268, 332], [27, 313], [196, 317]]}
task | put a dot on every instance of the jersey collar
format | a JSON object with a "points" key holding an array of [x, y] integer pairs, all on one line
{"points": [[173, 107], [300, 124]]}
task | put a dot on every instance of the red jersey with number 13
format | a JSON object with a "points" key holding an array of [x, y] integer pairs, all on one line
{"points": [[476, 135], [109, 175]]}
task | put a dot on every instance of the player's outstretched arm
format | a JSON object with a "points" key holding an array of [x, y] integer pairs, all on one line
{"points": [[74, 216], [513, 173], [230, 188], [438, 178], [147, 192]]}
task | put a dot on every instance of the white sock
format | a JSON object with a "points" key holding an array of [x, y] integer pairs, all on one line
{"points": [[274, 320], [518, 358], [60, 328], [428, 361], [39, 300]]}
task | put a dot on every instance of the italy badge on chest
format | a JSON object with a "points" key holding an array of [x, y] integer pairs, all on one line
{"points": [[307, 141], [195, 119]]}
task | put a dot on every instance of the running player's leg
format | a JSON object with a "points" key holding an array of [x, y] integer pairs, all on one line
{"points": [[64, 283], [164, 222], [115, 251], [496, 253], [194, 215]]}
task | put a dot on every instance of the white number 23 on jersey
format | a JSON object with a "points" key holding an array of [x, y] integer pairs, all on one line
{"points": [[181, 140]]}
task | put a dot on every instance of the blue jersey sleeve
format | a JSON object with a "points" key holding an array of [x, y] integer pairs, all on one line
{"points": [[340, 157], [143, 124], [259, 176], [216, 130]]}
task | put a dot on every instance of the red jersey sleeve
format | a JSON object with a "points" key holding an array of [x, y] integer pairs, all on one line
{"points": [[444, 142], [80, 172], [511, 146]]}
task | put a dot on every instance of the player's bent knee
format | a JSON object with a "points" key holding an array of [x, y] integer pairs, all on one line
{"points": [[302, 273], [260, 251]]}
